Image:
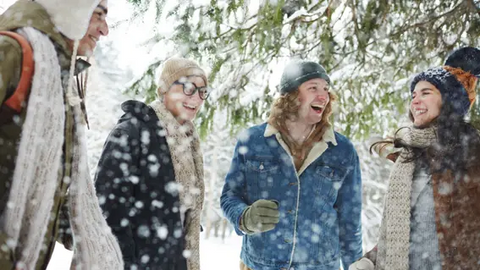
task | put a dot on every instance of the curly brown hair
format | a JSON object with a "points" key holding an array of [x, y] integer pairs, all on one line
{"points": [[286, 108]]}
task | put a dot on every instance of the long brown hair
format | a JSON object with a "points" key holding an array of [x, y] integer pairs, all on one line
{"points": [[286, 108]]}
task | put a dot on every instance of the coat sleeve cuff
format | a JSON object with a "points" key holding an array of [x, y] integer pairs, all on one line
{"points": [[239, 228]]}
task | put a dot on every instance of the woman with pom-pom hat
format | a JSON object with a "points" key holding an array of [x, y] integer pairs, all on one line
{"points": [[431, 218]]}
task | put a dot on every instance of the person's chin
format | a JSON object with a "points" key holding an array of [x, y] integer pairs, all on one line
{"points": [[421, 124], [86, 51], [188, 116], [315, 119]]}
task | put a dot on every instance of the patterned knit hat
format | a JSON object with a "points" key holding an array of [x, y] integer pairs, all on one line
{"points": [[176, 68], [298, 72], [456, 80], [71, 17]]}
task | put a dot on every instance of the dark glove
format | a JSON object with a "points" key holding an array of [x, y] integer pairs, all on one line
{"points": [[261, 216]]}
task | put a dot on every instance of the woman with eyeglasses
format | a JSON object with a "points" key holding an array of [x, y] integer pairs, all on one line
{"points": [[149, 178]]}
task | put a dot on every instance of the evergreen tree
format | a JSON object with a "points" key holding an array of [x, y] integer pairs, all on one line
{"points": [[370, 47]]}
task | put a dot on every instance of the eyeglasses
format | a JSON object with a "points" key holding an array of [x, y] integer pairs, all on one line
{"points": [[189, 89]]}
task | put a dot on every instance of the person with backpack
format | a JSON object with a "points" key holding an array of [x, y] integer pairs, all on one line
{"points": [[149, 177], [43, 159], [431, 219]]}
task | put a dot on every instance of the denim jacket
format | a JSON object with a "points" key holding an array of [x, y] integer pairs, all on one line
{"points": [[320, 205]]}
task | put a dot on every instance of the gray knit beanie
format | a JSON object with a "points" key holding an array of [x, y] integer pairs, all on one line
{"points": [[298, 72]]}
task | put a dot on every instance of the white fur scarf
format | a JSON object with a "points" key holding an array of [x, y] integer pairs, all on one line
{"points": [[394, 243], [27, 214], [184, 145]]}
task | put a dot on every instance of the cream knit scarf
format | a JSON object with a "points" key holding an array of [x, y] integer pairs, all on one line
{"points": [[32, 193], [184, 145], [394, 243]]}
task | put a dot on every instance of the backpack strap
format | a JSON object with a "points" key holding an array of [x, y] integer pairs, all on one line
{"points": [[13, 105]]}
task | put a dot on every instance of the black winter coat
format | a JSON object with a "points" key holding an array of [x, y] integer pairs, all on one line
{"points": [[131, 181]]}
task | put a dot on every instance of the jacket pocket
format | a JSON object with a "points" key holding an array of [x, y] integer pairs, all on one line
{"points": [[328, 182], [261, 174], [262, 165], [333, 174]]}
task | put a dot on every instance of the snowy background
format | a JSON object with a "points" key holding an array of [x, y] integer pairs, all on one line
{"points": [[119, 60]]}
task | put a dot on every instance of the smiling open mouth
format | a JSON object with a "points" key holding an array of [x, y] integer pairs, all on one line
{"points": [[94, 39], [190, 107], [420, 112], [318, 108]]}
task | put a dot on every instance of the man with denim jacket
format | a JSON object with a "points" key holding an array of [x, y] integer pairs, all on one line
{"points": [[294, 188]]}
